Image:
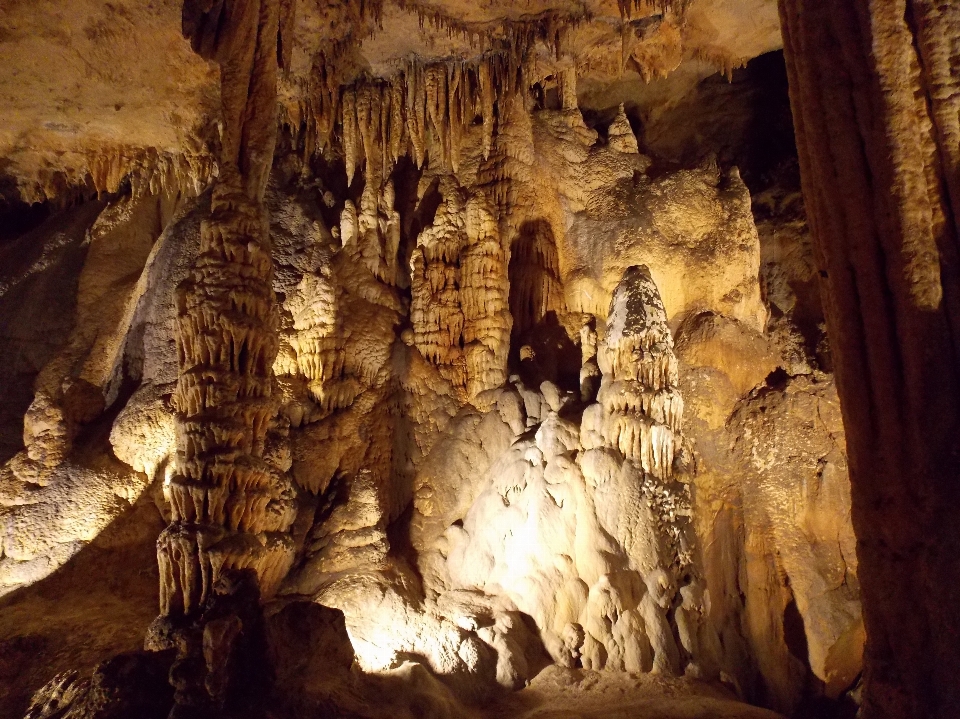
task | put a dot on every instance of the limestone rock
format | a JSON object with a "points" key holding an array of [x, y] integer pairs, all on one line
{"points": [[456, 402]]}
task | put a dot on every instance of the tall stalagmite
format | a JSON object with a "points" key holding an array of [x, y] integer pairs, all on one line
{"points": [[876, 103], [231, 507]]}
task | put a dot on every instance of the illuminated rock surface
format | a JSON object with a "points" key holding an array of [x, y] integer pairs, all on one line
{"points": [[427, 359]]}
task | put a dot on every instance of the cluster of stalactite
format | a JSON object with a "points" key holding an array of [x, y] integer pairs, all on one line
{"points": [[628, 7], [372, 231], [435, 311], [548, 28], [148, 171], [382, 120], [379, 120], [459, 294], [459, 308], [443, 96], [318, 343]]}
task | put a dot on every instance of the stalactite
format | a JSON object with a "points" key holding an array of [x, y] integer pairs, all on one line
{"points": [[723, 62], [487, 100], [438, 105], [416, 112], [321, 113], [369, 118], [397, 125], [454, 118], [385, 160], [348, 123], [368, 224]]}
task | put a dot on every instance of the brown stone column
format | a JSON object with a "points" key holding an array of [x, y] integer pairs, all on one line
{"points": [[228, 542], [875, 91], [231, 508]]}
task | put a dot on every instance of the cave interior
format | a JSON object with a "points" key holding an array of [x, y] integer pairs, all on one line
{"points": [[537, 359]]}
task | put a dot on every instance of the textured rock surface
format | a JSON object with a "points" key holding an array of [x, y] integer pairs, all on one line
{"points": [[882, 196], [444, 386], [392, 451], [93, 91]]}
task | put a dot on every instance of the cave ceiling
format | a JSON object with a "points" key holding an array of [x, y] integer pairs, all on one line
{"points": [[85, 82]]}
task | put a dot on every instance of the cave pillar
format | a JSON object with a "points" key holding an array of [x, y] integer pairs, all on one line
{"points": [[875, 94], [231, 507]]}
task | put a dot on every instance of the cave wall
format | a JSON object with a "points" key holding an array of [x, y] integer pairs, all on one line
{"points": [[501, 356], [482, 476], [877, 139]]}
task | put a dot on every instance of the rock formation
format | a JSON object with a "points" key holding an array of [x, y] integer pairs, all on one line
{"points": [[883, 199], [229, 509], [460, 359]]}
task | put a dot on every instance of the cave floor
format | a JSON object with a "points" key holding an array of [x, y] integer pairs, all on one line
{"points": [[558, 693]]}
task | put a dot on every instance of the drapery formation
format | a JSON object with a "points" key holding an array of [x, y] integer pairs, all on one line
{"points": [[875, 91]]}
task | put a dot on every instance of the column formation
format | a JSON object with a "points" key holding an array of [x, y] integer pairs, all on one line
{"points": [[231, 508]]}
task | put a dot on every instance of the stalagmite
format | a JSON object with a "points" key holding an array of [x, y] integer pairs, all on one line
{"points": [[349, 226], [389, 232], [620, 135], [641, 406], [568, 87]]}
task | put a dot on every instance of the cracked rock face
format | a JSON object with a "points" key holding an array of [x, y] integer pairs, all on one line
{"points": [[440, 386]]}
